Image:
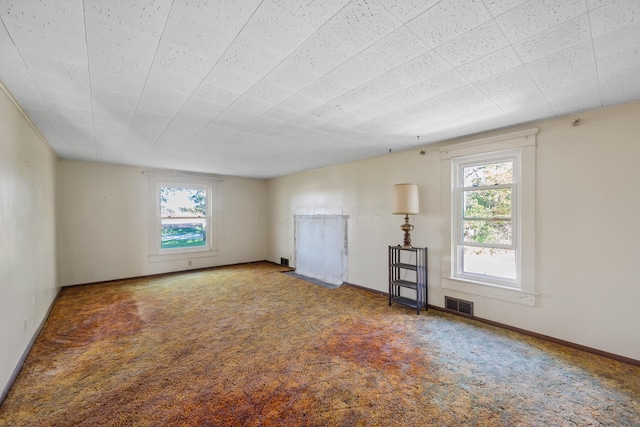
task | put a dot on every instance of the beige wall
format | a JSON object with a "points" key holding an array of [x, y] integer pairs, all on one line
{"points": [[587, 251], [104, 224], [28, 282]]}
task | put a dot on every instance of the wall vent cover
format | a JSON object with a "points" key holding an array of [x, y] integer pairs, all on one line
{"points": [[284, 261], [459, 306]]}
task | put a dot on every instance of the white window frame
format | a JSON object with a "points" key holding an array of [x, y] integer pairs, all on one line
{"points": [[457, 218], [205, 182], [522, 147]]}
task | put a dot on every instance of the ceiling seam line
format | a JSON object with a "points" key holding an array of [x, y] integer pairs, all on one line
{"points": [[198, 87], [93, 115], [146, 80], [595, 60], [262, 79], [315, 81], [524, 65]]}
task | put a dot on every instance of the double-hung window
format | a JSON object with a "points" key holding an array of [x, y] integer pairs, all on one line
{"points": [[183, 223], [486, 218], [184, 217], [489, 194]]}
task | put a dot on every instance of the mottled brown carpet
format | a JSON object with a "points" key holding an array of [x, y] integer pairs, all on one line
{"points": [[250, 346]]}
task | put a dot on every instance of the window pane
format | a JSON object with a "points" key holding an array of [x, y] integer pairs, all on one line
{"points": [[489, 262], [189, 202], [495, 232], [487, 203], [183, 233], [489, 174]]}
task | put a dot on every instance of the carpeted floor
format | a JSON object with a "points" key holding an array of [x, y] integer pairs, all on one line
{"points": [[250, 346]]}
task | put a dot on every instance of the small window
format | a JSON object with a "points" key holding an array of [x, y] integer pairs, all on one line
{"points": [[183, 221]]}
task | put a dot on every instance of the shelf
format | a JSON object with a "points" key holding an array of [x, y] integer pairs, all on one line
{"points": [[407, 302], [405, 284], [408, 277], [405, 266]]}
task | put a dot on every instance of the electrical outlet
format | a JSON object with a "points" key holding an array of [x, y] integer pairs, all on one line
{"points": [[190, 263], [26, 325]]}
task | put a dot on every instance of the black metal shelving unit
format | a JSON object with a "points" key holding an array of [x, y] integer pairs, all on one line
{"points": [[408, 277]]}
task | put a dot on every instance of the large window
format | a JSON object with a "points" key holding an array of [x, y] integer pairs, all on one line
{"points": [[182, 216], [489, 194], [485, 218]]}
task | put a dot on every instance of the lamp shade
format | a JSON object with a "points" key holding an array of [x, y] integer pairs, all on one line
{"points": [[405, 199]]}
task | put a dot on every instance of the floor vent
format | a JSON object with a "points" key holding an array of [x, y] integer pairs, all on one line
{"points": [[459, 306], [284, 261]]}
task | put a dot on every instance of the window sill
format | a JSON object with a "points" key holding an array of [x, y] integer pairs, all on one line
{"points": [[489, 290], [182, 255]]}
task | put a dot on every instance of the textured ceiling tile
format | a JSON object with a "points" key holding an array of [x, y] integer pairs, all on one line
{"points": [[498, 7], [321, 91], [321, 53], [145, 16], [554, 40], [313, 12], [355, 72], [567, 58], [361, 23], [495, 63], [250, 57], [620, 63], [231, 79], [423, 68], [353, 100], [581, 96], [529, 109], [568, 77], [270, 92], [439, 85], [396, 49], [448, 20], [252, 106], [350, 119], [292, 76], [328, 112], [465, 95], [275, 28], [66, 98], [515, 93], [183, 59], [129, 67], [58, 18], [38, 43], [408, 9], [281, 113], [536, 16], [162, 100], [51, 82], [113, 113], [476, 43], [514, 77], [301, 103], [594, 4], [614, 16], [526, 96], [620, 87], [8, 52], [625, 39], [160, 77], [472, 108]]}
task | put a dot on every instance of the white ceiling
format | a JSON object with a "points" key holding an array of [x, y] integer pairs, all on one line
{"points": [[265, 88]]}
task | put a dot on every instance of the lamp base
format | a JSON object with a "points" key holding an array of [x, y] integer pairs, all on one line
{"points": [[406, 227]]}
